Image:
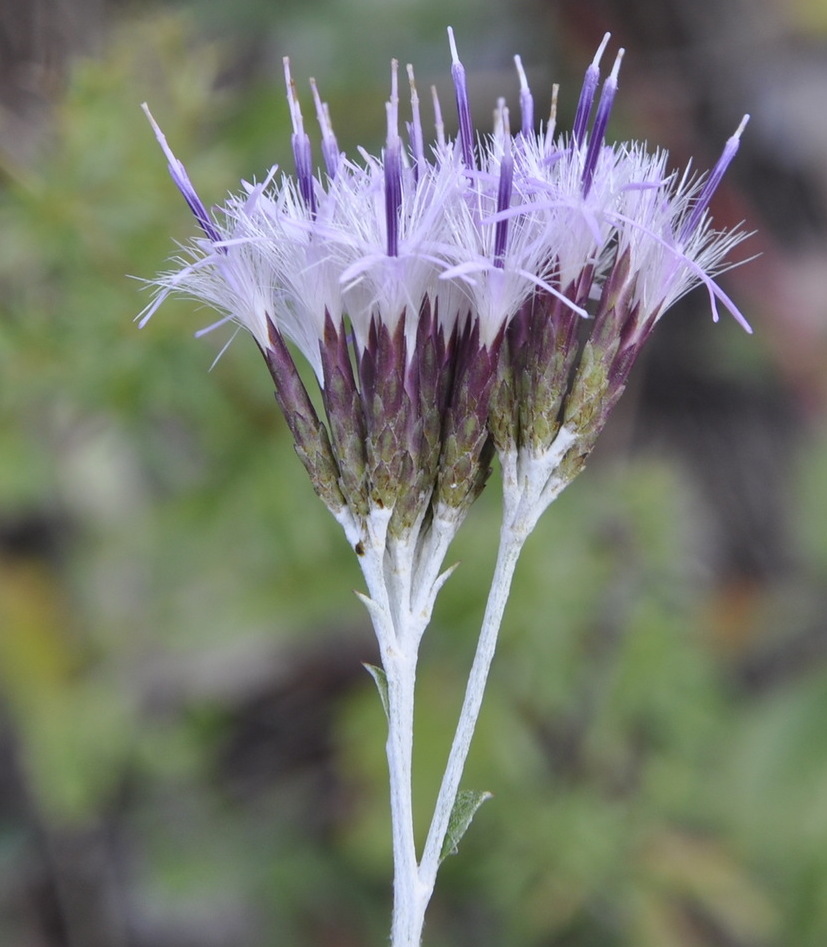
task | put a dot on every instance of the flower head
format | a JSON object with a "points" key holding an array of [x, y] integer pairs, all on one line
{"points": [[439, 294]]}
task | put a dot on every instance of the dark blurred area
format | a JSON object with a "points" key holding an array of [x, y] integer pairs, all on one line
{"points": [[190, 750]]}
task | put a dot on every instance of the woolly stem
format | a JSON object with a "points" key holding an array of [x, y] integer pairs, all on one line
{"points": [[526, 494], [509, 551]]}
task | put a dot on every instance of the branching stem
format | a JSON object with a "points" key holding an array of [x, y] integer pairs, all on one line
{"points": [[403, 579]]}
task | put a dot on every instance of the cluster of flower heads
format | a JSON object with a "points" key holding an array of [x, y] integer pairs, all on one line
{"points": [[478, 295]]}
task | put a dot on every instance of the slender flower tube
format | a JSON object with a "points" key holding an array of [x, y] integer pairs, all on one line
{"points": [[587, 92], [484, 297], [466, 127], [601, 121], [330, 147]]}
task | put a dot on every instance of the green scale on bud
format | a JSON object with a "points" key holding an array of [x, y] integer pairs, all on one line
{"points": [[345, 417], [608, 354], [534, 374], [402, 432], [467, 449], [310, 436], [388, 410]]}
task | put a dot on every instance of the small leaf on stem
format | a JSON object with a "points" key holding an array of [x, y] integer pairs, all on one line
{"points": [[381, 680], [464, 810]]}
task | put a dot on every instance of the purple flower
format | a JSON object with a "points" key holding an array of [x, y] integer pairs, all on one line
{"points": [[439, 294]]}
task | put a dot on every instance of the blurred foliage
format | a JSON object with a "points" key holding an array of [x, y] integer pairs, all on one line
{"points": [[180, 648]]}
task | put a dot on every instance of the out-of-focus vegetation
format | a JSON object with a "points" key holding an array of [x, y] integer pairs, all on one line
{"points": [[190, 751]]}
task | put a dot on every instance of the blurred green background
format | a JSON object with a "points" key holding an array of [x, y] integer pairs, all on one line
{"points": [[190, 750]]}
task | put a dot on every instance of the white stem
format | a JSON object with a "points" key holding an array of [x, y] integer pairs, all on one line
{"points": [[528, 489], [399, 617], [403, 582], [434, 546], [408, 901], [509, 551], [399, 662]]}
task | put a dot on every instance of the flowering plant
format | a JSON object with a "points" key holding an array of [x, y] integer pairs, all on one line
{"points": [[484, 297]]}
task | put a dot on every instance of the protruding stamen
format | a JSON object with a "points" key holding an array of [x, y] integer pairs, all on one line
{"points": [[730, 150], [415, 130], [548, 142], [439, 125], [330, 147], [292, 99], [393, 102], [182, 181], [526, 100], [503, 193], [300, 142], [393, 166], [584, 106], [499, 119], [601, 121], [466, 129]]}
